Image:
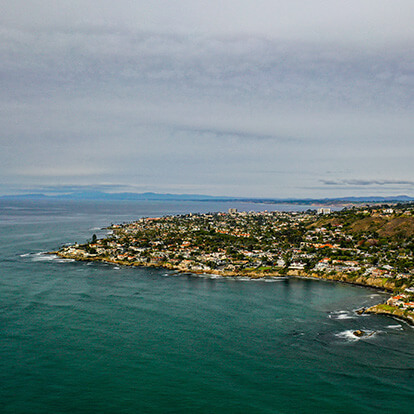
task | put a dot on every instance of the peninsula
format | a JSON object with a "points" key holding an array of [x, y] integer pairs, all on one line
{"points": [[369, 246]]}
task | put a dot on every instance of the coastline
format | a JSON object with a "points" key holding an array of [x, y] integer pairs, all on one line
{"points": [[376, 283], [384, 309]]}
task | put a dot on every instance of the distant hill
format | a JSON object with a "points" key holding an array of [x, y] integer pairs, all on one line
{"points": [[385, 226], [97, 195], [392, 227], [100, 195], [23, 196]]}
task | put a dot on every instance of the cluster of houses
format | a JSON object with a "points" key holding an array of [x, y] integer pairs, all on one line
{"points": [[402, 300], [240, 241]]}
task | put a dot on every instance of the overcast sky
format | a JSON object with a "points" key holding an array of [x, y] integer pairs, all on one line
{"points": [[297, 98]]}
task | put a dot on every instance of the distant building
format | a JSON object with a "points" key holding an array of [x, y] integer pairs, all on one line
{"points": [[324, 210], [297, 266], [281, 262], [232, 210]]}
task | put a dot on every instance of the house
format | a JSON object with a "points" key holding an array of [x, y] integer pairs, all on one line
{"points": [[297, 266]]}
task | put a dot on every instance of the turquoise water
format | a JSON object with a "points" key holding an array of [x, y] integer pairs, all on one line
{"points": [[88, 338]]}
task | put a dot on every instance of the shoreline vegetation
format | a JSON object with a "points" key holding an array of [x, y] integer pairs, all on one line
{"points": [[364, 246]]}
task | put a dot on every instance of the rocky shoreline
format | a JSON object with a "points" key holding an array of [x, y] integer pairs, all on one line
{"points": [[376, 283], [384, 309], [385, 286]]}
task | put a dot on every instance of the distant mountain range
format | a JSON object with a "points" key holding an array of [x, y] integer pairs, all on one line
{"points": [[100, 195], [150, 196]]}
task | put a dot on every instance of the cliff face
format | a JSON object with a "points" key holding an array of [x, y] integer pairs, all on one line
{"points": [[384, 309], [378, 283]]}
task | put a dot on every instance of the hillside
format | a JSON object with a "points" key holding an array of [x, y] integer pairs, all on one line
{"points": [[380, 226]]}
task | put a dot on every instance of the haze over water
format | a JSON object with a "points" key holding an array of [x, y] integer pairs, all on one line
{"points": [[90, 337]]}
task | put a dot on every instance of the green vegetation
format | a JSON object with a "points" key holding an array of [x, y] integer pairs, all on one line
{"points": [[386, 307], [364, 245]]}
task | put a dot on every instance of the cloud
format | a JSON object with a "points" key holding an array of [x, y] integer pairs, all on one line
{"points": [[52, 62], [217, 133], [63, 189], [207, 95], [359, 182], [57, 171], [368, 22]]}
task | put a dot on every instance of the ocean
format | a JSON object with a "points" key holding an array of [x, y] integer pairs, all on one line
{"points": [[78, 337]]}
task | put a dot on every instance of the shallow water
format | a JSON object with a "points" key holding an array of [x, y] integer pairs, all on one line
{"points": [[90, 337]]}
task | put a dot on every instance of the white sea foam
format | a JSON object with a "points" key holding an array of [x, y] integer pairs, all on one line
{"points": [[45, 257], [349, 336], [342, 315], [399, 327], [61, 260], [233, 278]]}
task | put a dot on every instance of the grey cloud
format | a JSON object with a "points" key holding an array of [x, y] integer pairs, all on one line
{"points": [[235, 134], [59, 189], [368, 22], [53, 61], [164, 95], [359, 182]]}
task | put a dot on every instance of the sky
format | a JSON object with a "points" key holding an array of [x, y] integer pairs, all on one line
{"points": [[264, 98]]}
